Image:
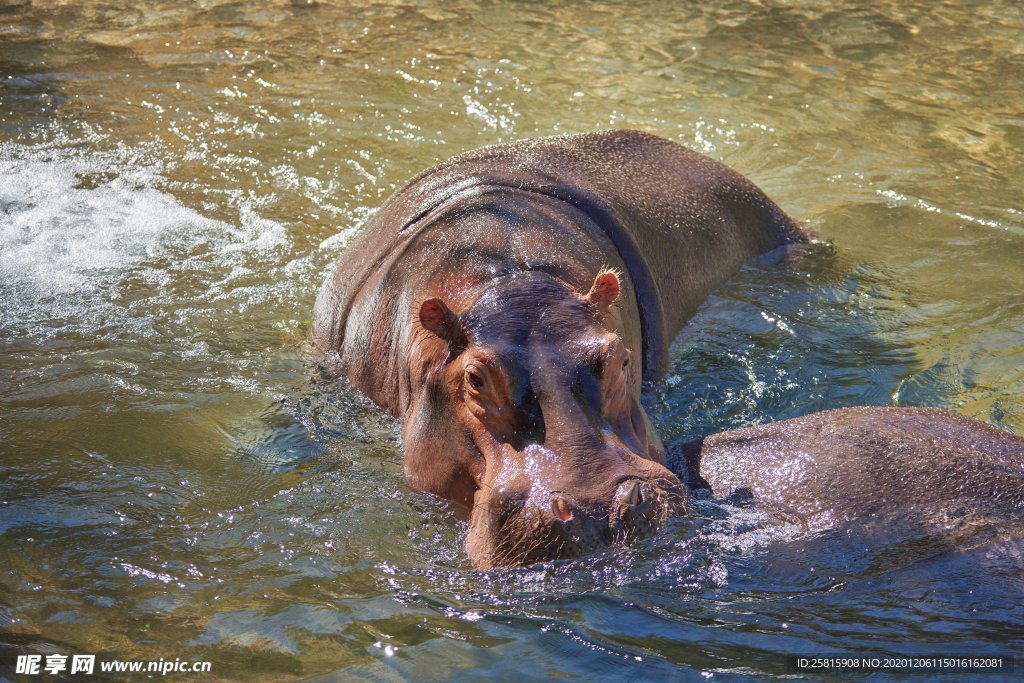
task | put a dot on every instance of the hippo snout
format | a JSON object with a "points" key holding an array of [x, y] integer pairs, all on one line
{"points": [[637, 509], [539, 526]]}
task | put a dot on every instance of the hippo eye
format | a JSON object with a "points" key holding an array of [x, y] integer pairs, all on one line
{"points": [[475, 379], [625, 363]]}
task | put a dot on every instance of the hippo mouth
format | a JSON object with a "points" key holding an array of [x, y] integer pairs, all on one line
{"points": [[523, 532]]}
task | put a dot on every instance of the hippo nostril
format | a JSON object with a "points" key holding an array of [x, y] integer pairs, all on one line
{"points": [[560, 509], [628, 494], [637, 509]]}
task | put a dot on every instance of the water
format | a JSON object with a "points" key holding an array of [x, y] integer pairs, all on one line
{"points": [[178, 481]]}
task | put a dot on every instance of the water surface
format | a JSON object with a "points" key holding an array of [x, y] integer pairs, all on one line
{"points": [[177, 480]]}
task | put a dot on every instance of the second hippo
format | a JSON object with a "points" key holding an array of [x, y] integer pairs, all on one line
{"points": [[932, 468]]}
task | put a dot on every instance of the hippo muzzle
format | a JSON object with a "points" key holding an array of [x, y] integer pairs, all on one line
{"points": [[530, 514]]}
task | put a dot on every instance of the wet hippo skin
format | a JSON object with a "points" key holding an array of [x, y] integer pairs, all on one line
{"points": [[507, 306], [851, 464]]}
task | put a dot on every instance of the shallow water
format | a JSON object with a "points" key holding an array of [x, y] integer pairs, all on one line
{"points": [[178, 482]]}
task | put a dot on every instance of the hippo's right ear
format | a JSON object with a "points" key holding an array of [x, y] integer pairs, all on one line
{"points": [[437, 318]]}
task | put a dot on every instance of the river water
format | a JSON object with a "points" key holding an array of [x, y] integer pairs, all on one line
{"points": [[179, 483]]}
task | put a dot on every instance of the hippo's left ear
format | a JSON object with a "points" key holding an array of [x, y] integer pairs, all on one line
{"points": [[605, 290]]}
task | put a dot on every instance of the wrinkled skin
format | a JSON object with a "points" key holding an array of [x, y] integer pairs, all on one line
{"points": [[508, 305], [856, 464]]}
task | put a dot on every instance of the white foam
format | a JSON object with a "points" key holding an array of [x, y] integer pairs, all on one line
{"points": [[73, 224], [59, 236]]}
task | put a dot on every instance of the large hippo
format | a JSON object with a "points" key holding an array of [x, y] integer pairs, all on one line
{"points": [[508, 304], [934, 468]]}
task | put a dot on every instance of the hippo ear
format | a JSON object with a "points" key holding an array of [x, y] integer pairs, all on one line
{"points": [[437, 318], [605, 290]]}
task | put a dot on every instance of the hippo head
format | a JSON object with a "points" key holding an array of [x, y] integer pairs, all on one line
{"points": [[526, 412]]}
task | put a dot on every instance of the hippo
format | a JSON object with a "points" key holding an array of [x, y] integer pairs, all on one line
{"points": [[509, 305], [932, 469]]}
